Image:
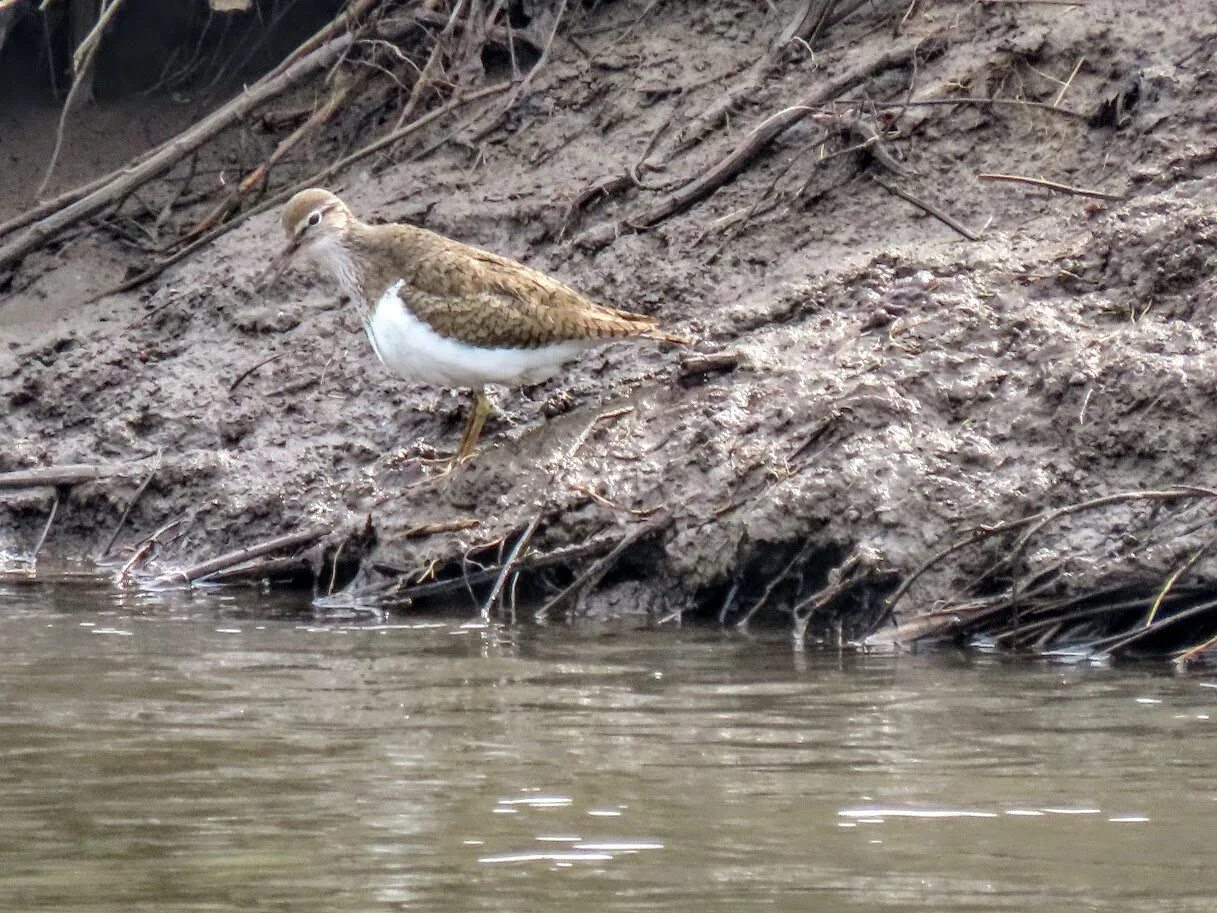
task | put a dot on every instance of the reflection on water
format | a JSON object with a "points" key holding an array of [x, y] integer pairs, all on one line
{"points": [[211, 755]]}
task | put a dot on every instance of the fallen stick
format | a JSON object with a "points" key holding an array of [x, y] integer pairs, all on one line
{"points": [[986, 102], [1174, 578], [1123, 641], [535, 561], [1182, 659], [129, 179], [1032, 2], [1053, 185], [66, 475], [874, 142], [734, 162], [797, 559], [312, 180], [82, 65], [933, 624], [929, 208], [443, 526], [510, 564], [46, 530], [145, 546], [122, 521], [240, 556], [259, 569], [1068, 82], [255, 569], [244, 375]]}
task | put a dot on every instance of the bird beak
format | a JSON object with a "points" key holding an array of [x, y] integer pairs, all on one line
{"points": [[277, 266]]}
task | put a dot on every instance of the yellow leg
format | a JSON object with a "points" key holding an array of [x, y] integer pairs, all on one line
{"points": [[477, 418]]}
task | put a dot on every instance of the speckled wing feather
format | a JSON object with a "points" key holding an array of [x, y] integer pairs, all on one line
{"points": [[491, 301]]}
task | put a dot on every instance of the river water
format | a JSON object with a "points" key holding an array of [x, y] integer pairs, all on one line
{"points": [[215, 754]]}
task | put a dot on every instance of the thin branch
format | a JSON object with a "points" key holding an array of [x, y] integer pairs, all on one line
{"points": [[925, 206], [987, 102], [1053, 185], [65, 475], [1068, 82], [596, 572], [139, 493], [312, 180], [82, 65], [144, 547], [1188, 655], [46, 530], [1173, 578], [240, 556], [797, 558], [510, 564]]}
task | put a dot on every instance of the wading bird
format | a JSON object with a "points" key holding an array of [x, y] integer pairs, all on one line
{"points": [[444, 313]]}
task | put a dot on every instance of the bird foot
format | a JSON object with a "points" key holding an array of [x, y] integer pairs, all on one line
{"points": [[420, 452], [442, 468]]}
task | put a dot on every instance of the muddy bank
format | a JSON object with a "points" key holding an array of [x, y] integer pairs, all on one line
{"points": [[898, 385]]}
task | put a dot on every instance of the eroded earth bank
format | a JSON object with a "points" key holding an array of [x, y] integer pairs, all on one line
{"points": [[868, 387]]}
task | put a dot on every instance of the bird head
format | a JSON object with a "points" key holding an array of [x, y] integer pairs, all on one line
{"points": [[311, 217]]}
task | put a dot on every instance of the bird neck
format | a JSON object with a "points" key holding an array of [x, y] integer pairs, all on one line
{"points": [[341, 258]]}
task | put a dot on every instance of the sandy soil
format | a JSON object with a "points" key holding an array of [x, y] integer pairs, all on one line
{"points": [[899, 384]]}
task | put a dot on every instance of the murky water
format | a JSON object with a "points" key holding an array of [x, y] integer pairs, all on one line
{"points": [[194, 756]]}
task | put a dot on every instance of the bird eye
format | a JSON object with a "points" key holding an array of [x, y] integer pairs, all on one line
{"points": [[314, 219]]}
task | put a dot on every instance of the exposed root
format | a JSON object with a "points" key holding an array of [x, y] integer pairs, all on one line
{"points": [[1007, 606], [754, 143]]}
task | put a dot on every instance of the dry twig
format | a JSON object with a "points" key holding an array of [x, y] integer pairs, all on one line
{"points": [[139, 493], [1053, 185], [46, 530], [82, 67], [282, 543], [319, 177], [708, 180], [127, 179], [930, 208], [64, 476], [596, 572]]}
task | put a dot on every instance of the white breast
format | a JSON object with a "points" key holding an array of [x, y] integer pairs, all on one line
{"points": [[407, 346]]}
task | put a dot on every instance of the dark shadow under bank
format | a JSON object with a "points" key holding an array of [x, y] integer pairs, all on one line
{"points": [[818, 598], [1121, 625]]}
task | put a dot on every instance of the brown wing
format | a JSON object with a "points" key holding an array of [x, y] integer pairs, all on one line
{"points": [[492, 301]]}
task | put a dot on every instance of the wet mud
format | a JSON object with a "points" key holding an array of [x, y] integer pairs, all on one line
{"points": [[878, 384]]}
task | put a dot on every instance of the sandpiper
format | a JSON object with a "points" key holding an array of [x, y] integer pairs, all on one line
{"points": [[444, 313]]}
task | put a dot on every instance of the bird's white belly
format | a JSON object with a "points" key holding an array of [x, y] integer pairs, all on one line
{"points": [[407, 346]]}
